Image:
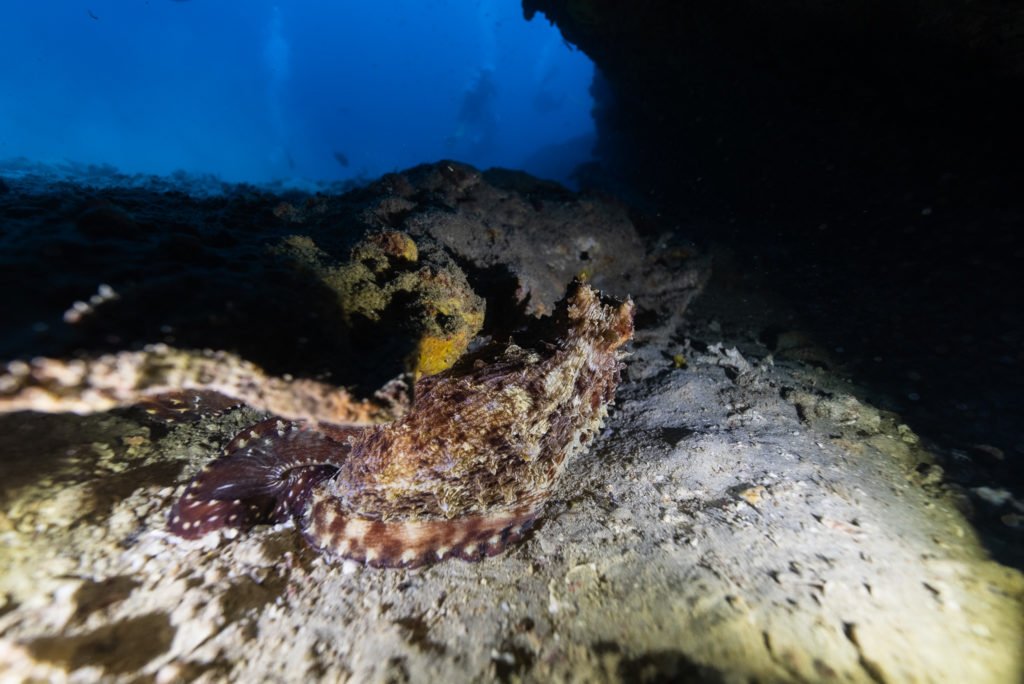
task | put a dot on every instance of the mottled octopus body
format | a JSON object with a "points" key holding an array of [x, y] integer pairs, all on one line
{"points": [[464, 472]]}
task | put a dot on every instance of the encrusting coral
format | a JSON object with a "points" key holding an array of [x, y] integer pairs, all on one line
{"points": [[387, 271]]}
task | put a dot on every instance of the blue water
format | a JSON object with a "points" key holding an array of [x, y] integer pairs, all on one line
{"points": [[314, 90]]}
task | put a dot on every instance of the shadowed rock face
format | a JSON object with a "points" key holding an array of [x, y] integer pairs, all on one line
{"points": [[270, 276], [766, 107], [864, 159]]}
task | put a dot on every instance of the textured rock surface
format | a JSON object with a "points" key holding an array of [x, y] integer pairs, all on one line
{"points": [[728, 537], [740, 517]]}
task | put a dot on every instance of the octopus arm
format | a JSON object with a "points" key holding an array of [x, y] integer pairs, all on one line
{"points": [[131, 378], [266, 475], [332, 529]]}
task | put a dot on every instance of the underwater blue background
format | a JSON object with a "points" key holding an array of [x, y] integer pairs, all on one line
{"points": [[296, 92]]}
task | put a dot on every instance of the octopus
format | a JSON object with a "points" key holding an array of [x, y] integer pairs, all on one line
{"points": [[463, 471]]}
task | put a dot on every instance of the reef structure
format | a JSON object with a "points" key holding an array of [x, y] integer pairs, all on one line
{"points": [[461, 473]]}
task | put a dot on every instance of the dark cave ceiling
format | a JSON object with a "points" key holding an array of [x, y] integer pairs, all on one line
{"points": [[759, 107]]}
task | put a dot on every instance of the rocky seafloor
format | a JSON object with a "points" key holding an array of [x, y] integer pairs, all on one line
{"points": [[746, 515]]}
